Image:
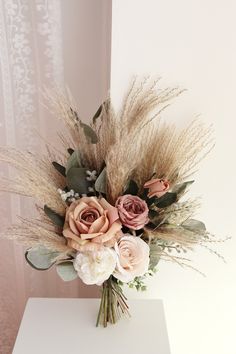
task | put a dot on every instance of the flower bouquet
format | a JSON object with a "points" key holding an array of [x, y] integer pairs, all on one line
{"points": [[109, 205]]}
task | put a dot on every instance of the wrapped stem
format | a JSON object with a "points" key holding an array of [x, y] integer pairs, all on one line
{"points": [[113, 304]]}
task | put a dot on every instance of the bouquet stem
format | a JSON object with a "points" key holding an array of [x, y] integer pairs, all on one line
{"points": [[113, 304]]}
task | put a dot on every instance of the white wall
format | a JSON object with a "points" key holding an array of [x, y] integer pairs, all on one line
{"points": [[191, 43]]}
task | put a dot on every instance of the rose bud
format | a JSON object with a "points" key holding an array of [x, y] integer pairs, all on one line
{"points": [[157, 187]]}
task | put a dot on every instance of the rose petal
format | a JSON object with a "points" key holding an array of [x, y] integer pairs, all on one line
{"points": [[156, 193], [73, 225], [151, 182], [95, 204], [70, 209], [69, 234], [82, 228], [90, 236], [98, 224], [81, 206], [116, 226], [112, 211]]}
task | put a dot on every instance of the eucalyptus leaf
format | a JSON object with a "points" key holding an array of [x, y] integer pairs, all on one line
{"points": [[179, 189], [195, 226], [40, 257], [132, 188], [77, 180], [66, 271], [166, 200], [151, 201], [97, 114], [89, 133], [101, 182], [155, 255], [61, 169], [152, 214], [55, 218], [73, 161]]}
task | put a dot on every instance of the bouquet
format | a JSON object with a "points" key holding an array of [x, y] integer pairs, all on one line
{"points": [[109, 202]]}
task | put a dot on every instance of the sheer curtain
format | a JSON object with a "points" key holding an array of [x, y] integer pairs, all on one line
{"points": [[42, 43]]}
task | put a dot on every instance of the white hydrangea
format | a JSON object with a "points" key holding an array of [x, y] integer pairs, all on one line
{"points": [[95, 267]]}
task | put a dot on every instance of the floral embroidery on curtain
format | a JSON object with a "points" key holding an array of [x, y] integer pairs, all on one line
{"points": [[30, 58]]}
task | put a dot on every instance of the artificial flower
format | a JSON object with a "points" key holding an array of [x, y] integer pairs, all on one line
{"points": [[95, 267], [157, 187], [133, 258], [91, 223], [133, 211]]}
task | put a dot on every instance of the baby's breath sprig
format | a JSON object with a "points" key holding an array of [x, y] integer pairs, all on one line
{"points": [[91, 175], [70, 196]]}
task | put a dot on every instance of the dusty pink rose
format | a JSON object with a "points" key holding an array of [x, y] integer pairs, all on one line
{"points": [[133, 211], [133, 258], [157, 187], [90, 224]]}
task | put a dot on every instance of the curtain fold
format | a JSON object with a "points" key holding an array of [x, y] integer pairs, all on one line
{"points": [[35, 53]]}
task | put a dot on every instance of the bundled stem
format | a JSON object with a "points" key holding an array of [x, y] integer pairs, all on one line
{"points": [[113, 304]]}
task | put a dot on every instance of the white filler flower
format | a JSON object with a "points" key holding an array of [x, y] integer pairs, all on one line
{"points": [[95, 267]]}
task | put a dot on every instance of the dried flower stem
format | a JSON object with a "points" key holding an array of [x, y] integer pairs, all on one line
{"points": [[113, 304]]}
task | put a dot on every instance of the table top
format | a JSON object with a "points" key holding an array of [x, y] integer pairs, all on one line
{"points": [[67, 326]]}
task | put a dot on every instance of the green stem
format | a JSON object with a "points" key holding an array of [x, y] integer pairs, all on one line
{"points": [[100, 308], [113, 304]]}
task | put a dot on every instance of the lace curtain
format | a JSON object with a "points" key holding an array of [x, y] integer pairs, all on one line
{"points": [[42, 43]]}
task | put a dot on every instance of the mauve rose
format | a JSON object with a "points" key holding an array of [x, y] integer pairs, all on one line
{"points": [[133, 211], [133, 258], [157, 187], [90, 224]]}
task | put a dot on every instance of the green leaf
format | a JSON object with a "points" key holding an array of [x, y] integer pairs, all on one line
{"points": [[40, 257], [152, 214], [77, 180], [151, 201], [66, 271], [132, 188], [97, 114], [155, 217], [166, 200], [56, 218], [101, 182], [105, 105], [70, 151], [89, 133], [195, 226], [61, 169], [155, 255], [73, 161], [179, 189]]}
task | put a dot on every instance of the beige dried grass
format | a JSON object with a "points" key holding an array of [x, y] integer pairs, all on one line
{"points": [[32, 233], [179, 212], [61, 105], [134, 143], [145, 146], [175, 233], [35, 177]]}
